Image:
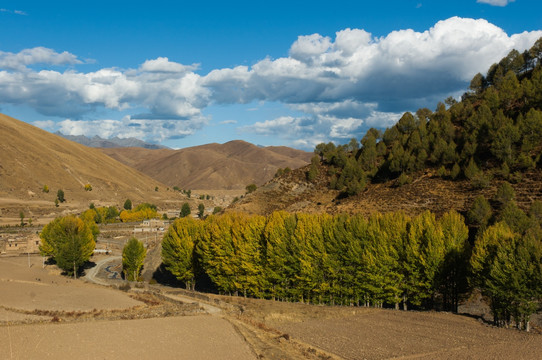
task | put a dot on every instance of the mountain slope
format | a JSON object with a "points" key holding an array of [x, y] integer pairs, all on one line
{"points": [[294, 193], [31, 158], [232, 165], [435, 160]]}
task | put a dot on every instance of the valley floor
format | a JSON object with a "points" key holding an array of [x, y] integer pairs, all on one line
{"points": [[46, 315]]}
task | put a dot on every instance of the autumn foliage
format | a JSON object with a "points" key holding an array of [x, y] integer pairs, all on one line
{"points": [[385, 260]]}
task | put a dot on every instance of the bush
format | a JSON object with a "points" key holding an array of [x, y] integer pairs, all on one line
{"points": [[185, 210], [480, 212], [505, 193], [481, 181], [441, 172], [88, 187], [251, 188], [404, 179], [125, 287], [216, 210], [60, 196], [456, 170], [471, 170]]}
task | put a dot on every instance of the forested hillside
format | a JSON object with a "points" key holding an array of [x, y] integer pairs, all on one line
{"points": [[494, 131]]}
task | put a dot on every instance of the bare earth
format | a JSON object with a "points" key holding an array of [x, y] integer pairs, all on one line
{"points": [[46, 315], [186, 337], [93, 329], [367, 333]]}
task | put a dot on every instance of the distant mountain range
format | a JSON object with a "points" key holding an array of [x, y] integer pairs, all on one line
{"points": [[229, 166], [116, 142]]}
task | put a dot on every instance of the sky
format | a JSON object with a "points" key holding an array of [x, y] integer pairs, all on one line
{"points": [[293, 73]]}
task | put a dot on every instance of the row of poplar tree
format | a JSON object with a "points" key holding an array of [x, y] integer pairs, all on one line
{"points": [[386, 260]]}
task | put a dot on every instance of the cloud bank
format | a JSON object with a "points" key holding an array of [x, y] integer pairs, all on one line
{"points": [[342, 85]]}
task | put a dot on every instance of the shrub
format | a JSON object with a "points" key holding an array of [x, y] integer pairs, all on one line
{"points": [[505, 193], [441, 172], [185, 210], [471, 170], [404, 179], [216, 210], [456, 170], [60, 196], [251, 188], [481, 181], [128, 204]]}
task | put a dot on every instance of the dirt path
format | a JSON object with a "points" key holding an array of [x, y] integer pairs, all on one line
{"points": [[210, 309]]}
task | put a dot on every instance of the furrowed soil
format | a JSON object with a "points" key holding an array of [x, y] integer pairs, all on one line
{"points": [[368, 333]]}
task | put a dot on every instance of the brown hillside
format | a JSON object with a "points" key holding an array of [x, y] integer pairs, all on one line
{"points": [[31, 158], [228, 166], [292, 192]]}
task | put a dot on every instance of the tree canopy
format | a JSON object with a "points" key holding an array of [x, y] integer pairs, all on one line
{"points": [[69, 241], [133, 257]]}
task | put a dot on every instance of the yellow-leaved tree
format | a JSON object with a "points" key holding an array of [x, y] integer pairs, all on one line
{"points": [[69, 241]]}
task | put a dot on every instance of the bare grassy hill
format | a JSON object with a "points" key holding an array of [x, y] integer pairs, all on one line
{"points": [[228, 166], [31, 158]]}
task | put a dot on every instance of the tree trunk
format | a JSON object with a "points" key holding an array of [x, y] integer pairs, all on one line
{"points": [[405, 306], [74, 271]]}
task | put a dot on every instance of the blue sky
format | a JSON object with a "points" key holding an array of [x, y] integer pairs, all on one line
{"points": [[272, 73]]}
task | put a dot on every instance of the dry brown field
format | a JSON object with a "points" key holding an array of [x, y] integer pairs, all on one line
{"points": [[46, 315]]}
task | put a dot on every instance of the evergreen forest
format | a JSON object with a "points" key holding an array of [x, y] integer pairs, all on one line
{"points": [[495, 131]]}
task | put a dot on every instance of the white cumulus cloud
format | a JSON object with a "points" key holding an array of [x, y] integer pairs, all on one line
{"points": [[404, 66], [167, 90], [495, 2], [37, 55]]}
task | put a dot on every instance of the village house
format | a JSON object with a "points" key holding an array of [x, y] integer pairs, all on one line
{"points": [[15, 244], [152, 225]]}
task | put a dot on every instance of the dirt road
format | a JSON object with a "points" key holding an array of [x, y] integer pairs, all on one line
{"points": [[91, 274]]}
